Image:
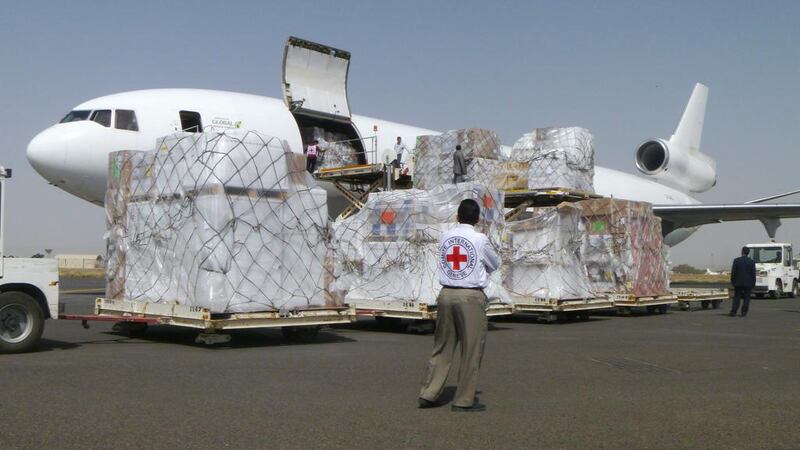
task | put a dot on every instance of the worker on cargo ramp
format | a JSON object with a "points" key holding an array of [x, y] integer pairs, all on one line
{"points": [[312, 151], [399, 148], [459, 165], [743, 279], [466, 258]]}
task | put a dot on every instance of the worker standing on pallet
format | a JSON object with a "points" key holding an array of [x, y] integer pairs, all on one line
{"points": [[466, 258], [399, 148], [459, 165], [311, 152]]}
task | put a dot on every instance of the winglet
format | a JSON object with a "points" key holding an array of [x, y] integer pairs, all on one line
{"points": [[690, 128]]}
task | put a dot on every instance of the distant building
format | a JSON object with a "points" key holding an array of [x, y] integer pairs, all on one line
{"points": [[80, 261]]}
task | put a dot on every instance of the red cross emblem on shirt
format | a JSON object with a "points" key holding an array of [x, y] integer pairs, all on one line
{"points": [[456, 258]]}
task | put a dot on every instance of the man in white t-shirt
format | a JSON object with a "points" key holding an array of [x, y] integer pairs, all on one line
{"points": [[466, 258], [399, 148], [312, 151]]}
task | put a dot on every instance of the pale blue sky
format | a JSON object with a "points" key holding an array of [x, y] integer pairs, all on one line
{"points": [[622, 69]]}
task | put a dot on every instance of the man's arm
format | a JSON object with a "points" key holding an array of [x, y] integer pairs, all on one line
{"points": [[490, 258], [733, 272]]}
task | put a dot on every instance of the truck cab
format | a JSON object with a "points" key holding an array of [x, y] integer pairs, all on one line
{"points": [[776, 274], [28, 292]]}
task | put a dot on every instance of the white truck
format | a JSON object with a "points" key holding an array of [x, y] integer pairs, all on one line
{"points": [[28, 292], [776, 275]]}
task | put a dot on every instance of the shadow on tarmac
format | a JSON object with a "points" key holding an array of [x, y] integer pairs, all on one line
{"points": [[239, 338]]}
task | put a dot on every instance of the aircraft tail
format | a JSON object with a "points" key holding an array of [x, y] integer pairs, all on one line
{"points": [[678, 161], [689, 131]]}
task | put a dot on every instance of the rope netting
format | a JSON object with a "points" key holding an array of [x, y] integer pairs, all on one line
{"points": [[623, 248], [433, 162], [389, 249], [230, 221], [557, 158], [542, 255]]}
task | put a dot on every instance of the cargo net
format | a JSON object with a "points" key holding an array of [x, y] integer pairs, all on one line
{"points": [[389, 249], [433, 164], [556, 158], [542, 256], [230, 221], [623, 247], [337, 149]]}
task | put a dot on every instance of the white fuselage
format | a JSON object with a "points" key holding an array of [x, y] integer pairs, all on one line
{"points": [[74, 155]]}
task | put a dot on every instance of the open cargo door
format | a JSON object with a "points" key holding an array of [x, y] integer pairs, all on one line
{"points": [[315, 91]]}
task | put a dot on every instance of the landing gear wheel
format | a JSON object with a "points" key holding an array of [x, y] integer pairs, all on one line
{"points": [[778, 292], [715, 303], [300, 334], [705, 304], [794, 292], [21, 322]]}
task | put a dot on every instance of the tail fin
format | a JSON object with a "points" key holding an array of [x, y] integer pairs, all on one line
{"points": [[690, 129]]}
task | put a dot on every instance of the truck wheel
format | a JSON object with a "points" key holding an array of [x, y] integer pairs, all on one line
{"points": [[778, 292], [793, 293], [21, 322]]}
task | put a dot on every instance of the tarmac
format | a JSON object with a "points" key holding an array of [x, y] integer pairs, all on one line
{"points": [[686, 379]]}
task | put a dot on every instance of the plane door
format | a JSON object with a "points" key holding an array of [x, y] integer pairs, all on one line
{"points": [[315, 80], [315, 91]]}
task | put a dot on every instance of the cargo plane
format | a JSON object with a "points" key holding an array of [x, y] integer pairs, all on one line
{"points": [[73, 154]]}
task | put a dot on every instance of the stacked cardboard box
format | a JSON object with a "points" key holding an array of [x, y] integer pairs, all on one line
{"points": [[433, 165], [542, 255], [230, 221], [623, 247], [557, 158], [389, 249]]}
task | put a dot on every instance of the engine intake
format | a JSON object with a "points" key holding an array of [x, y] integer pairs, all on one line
{"points": [[675, 165]]}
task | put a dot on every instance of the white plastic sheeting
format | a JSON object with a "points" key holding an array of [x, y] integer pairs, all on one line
{"points": [[542, 255], [557, 158], [433, 164], [388, 250], [230, 221]]}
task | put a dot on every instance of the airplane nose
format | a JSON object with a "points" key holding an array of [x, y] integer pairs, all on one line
{"points": [[46, 153]]}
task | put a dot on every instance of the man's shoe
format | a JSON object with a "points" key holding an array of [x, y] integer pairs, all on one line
{"points": [[425, 403], [476, 407]]}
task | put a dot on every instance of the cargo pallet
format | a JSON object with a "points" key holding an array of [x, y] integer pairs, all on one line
{"points": [[657, 303], [712, 298], [398, 309], [301, 324], [553, 309], [519, 200]]}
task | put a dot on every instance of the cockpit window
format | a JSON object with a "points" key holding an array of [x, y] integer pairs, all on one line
{"points": [[102, 116], [74, 116], [126, 120]]}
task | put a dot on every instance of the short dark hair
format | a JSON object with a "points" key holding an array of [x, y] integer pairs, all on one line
{"points": [[469, 212], [458, 147], [745, 251]]}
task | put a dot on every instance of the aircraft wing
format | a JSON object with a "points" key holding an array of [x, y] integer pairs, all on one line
{"points": [[687, 216]]}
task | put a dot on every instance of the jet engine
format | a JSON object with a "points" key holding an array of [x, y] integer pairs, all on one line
{"points": [[676, 165]]}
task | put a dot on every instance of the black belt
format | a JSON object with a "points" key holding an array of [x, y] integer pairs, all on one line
{"points": [[462, 287]]}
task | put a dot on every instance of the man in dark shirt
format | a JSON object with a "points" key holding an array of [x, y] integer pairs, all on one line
{"points": [[743, 279]]}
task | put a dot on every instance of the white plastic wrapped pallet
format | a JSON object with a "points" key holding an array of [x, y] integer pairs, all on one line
{"points": [[433, 165], [389, 249], [232, 222], [542, 255], [557, 158]]}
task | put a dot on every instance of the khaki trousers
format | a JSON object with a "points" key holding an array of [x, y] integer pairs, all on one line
{"points": [[461, 318]]}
